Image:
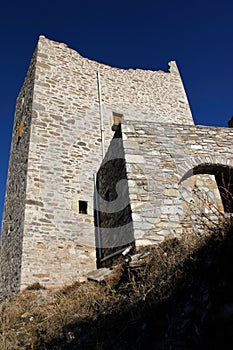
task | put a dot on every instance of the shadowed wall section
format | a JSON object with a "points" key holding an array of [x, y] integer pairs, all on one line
{"points": [[15, 198], [113, 219]]}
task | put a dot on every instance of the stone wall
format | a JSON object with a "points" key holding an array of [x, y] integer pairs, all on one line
{"points": [[165, 163], [14, 210]]}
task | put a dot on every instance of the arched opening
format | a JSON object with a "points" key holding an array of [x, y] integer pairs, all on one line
{"points": [[223, 176]]}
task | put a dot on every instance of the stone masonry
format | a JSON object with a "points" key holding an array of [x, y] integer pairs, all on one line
{"points": [[56, 225]]}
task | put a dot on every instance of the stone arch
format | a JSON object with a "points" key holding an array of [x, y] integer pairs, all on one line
{"points": [[223, 174], [192, 162]]}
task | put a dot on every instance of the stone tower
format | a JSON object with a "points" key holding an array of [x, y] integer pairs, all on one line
{"points": [[68, 115]]}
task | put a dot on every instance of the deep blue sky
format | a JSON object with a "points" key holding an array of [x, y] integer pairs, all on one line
{"points": [[131, 33]]}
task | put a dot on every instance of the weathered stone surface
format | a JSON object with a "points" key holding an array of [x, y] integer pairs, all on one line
{"points": [[138, 260], [99, 275], [108, 276]]}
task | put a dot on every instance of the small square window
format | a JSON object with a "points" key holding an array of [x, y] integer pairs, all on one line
{"points": [[117, 118], [82, 207]]}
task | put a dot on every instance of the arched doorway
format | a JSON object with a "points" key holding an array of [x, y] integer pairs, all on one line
{"points": [[222, 175]]}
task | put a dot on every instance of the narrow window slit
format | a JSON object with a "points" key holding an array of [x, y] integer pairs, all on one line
{"points": [[20, 131]]}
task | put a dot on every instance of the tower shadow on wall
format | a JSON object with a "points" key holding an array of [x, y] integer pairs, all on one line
{"points": [[112, 211]]}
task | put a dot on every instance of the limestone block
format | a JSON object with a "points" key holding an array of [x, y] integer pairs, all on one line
{"points": [[132, 158], [172, 192]]}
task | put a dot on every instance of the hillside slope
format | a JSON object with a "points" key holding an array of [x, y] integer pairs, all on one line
{"points": [[175, 295]]}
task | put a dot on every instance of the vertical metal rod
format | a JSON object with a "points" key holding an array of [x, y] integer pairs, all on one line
{"points": [[101, 114], [96, 208]]}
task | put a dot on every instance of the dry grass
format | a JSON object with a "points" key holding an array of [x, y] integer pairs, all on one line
{"points": [[40, 315]]}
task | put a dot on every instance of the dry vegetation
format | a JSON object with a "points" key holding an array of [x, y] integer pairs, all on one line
{"points": [[173, 297]]}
